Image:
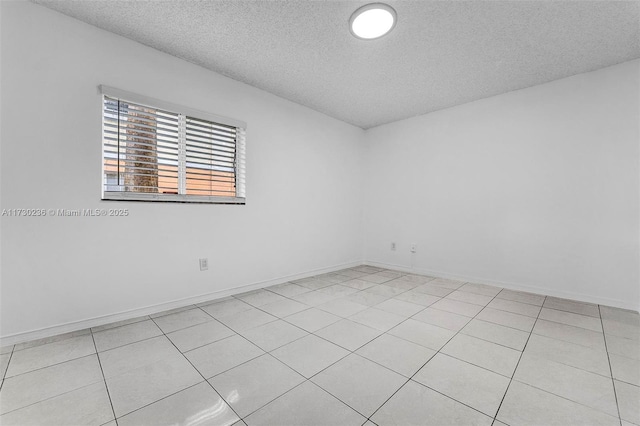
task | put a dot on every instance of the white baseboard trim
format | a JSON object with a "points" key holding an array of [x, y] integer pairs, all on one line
{"points": [[623, 304], [26, 336]]}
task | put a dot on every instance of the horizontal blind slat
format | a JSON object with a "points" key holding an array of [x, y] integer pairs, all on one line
{"points": [[142, 151]]}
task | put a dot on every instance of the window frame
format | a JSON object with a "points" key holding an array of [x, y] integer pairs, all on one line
{"points": [[240, 172]]}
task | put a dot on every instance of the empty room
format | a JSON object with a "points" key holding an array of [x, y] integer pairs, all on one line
{"points": [[329, 213]]}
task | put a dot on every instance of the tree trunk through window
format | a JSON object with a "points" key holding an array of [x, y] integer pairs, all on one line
{"points": [[141, 167]]}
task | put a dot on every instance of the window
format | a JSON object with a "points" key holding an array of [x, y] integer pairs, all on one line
{"points": [[157, 151]]}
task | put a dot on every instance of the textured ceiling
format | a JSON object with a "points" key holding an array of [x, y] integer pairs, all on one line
{"points": [[440, 54]]}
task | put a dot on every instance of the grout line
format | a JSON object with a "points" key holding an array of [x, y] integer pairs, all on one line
{"points": [[113, 411], [51, 365], [148, 317], [138, 320], [304, 379], [53, 397], [325, 368], [349, 352], [613, 383], [436, 353], [78, 333], [267, 353], [194, 367], [568, 399], [4, 374], [158, 400], [131, 343], [495, 417], [593, 348]]}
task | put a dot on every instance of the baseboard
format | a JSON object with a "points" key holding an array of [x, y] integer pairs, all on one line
{"points": [[623, 304], [153, 309]]}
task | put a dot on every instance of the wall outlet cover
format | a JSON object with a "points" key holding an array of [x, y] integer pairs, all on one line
{"points": [[204, 264]]}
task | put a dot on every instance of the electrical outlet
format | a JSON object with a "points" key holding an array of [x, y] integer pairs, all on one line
{"points": [[393, 246], [414, 248], [204, 264]]}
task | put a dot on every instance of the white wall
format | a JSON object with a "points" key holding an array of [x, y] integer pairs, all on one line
{"points": [[303, 182], [535, 189]]}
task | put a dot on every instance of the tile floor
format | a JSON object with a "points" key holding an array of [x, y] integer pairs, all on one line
{"points": [[361, 346]]}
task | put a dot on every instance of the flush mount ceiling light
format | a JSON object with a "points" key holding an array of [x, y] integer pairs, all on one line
{"points": [[372, 21]]}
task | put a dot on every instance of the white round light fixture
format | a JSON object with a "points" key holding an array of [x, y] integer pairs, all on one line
{"points": [[372, 21]]}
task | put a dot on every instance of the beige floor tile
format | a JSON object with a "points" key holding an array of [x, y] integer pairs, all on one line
{"points": [[342, 307], [484, 289], [415, 404], [399, 307], [418, 298], [521, 296], [182, 319], [259, 297], [227, 307], [569, 318], [124, 335], [447, 283], [359, 383], [222, 355], [624, 316], [377, 319], [4, 363], [119, 323], [246, 320], [125, 358], [172, 311], [628, 397], [396, 354], [254, 384], [199, 335], [289, 289], [375, 278], [621, 329], [427, 335], [314, 298], [508, 319], [526, 405], [482, 353], [625, 369], [625, 347], [338, 290], [593, 360], [515, 307], [46, 340], [89, 406], [348, 334], [307, 405], [461, 308], [312, 319], [444, 319], [474, 298], [568, 382], [474, 386], [139, 387], [581, 308], [309, 355], [273, 335], [38, 385], [505, 336], [569, 333], [283, 308], [358, 284], [197, 405], [433, 290]]}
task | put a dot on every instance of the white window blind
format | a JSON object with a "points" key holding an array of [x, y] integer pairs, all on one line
{"points": [[157, 151]]}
